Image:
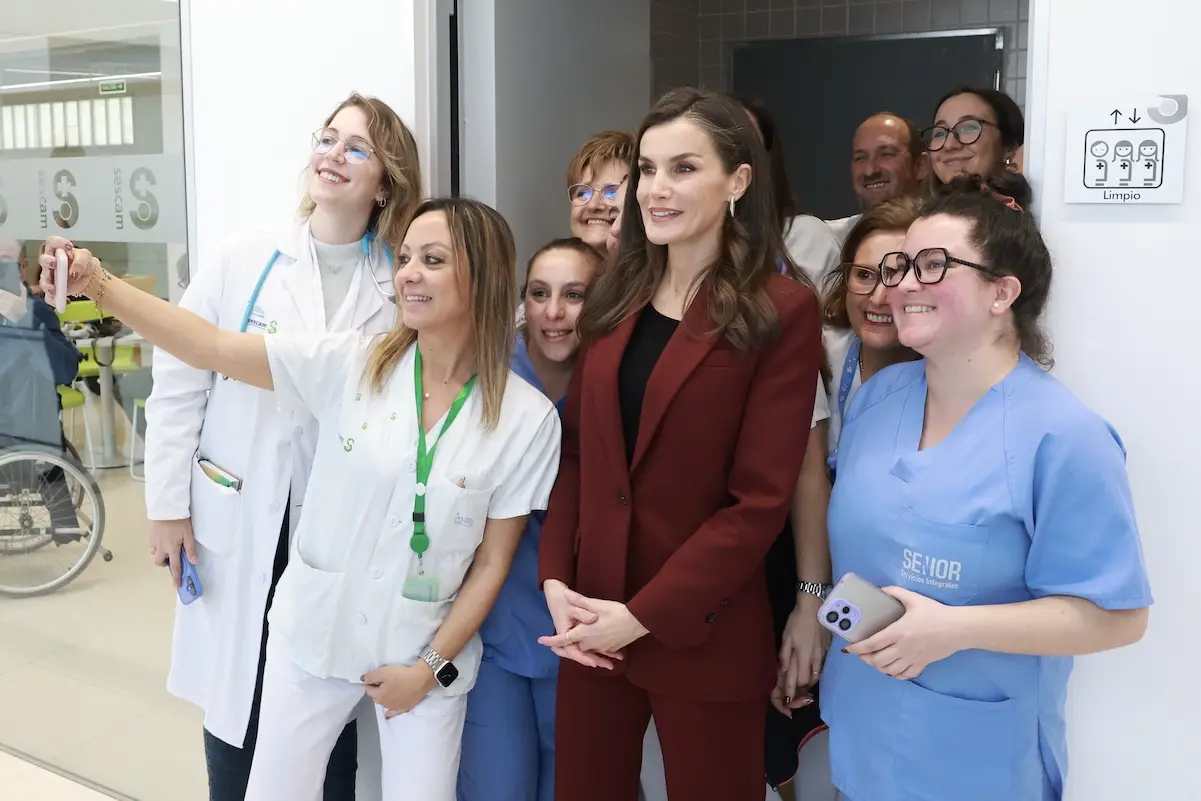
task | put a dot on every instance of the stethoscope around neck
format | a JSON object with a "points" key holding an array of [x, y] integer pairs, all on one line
{"points": [[365, 243]]}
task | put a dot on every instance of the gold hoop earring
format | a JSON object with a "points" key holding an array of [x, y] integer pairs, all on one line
{"points": [[731, 205]]}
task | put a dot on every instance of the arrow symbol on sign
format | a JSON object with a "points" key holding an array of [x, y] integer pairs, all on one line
{"points": [[1134, 117], [1115, 114]]}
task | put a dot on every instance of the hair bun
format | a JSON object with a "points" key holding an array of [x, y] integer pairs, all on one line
{"points": [[1002, 185]]}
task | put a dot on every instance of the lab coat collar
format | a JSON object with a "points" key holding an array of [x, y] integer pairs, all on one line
{"points": [[296, 246]]}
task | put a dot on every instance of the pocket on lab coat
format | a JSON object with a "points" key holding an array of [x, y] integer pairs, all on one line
{"points": [[463, 516], [412, 626], [214, 512], [950, 747], [304, 613]]}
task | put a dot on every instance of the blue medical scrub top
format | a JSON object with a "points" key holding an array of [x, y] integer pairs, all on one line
{"points": [[520, 616], [1027, 497]]}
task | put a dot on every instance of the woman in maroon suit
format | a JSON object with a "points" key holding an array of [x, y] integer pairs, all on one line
{"points": [[684, 432]]}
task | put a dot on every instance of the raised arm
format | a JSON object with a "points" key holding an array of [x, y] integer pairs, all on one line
{"points": [[185, 335]]}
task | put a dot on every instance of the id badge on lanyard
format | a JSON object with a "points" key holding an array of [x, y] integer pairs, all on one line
{"points": [[420, 585]]}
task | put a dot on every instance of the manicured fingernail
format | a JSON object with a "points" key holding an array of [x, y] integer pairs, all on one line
{"points": [[788, 699], [845, 651], [807, 702]]}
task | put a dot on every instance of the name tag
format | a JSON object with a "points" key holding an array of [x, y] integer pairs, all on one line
{"points": [[258, 321]]}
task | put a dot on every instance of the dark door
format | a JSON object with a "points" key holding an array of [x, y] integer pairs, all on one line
{"points": [[821, 89]]}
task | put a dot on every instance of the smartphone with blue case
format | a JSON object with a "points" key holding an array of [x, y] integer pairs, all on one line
{"points": [[190, 587]]}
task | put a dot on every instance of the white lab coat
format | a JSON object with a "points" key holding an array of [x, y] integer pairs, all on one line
{"points": [[194, 413]]}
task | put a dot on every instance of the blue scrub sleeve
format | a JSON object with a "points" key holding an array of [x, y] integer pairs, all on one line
{"points": [[1086, 541]]}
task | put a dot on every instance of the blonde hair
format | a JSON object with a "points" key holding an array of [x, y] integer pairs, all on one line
{"points": [[486, 257], [395, 146], [598, 151]]}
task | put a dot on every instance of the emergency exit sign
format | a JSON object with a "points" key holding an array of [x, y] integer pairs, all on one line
{"points": [[112, 87]]}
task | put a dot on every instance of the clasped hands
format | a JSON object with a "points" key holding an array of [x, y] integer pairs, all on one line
{"points": [[588, 630]]}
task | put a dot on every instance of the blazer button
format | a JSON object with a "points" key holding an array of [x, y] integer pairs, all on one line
{"points": [[725, 601], [624, 501], [709, 618]]}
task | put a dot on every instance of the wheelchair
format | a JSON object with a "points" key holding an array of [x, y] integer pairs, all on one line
{"points": [[51, 518]]}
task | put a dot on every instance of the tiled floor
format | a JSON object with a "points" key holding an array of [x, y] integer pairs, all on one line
{"points": [[24, 781], [82, 675]]}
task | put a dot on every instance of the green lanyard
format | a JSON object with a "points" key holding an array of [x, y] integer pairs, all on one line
{"points": [[420, 541]]}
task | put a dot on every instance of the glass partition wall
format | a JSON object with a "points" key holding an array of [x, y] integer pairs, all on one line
{"points": [[91, 148]]}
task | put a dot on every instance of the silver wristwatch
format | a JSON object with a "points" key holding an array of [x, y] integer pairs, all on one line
{"points": [[444, 670], [814, 588]]}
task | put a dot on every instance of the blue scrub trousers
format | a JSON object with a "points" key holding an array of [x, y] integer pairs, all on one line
{"points": [[509, 738]]}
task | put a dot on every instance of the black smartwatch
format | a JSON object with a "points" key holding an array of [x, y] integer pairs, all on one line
{"points": [[445, 671]]}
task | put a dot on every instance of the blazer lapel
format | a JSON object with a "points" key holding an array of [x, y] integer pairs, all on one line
{"points": [[688, 346], [602, 364]]}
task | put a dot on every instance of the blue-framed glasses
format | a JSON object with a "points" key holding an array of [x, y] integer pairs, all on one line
{"points": [[582, 193]]}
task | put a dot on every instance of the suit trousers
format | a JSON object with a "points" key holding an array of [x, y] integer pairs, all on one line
{"points": [[710, 750]]}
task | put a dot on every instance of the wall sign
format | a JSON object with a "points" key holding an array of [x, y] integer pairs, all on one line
{"points": [[1129, 149], [100, 199]]}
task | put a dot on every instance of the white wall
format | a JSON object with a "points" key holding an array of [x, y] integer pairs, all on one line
{"points": [[538, 77], [1123, 325], [256, 97]]}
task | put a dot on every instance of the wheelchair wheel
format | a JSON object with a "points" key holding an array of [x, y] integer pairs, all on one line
{"points": [[51, 520]]}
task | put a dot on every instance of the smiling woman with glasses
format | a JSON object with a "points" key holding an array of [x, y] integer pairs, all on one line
{"points": [[992, 505], [975, 131], [593, 178], [860, 337]]}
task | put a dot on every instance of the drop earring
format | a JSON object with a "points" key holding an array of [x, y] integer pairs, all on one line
{"points": [[731, 205]]}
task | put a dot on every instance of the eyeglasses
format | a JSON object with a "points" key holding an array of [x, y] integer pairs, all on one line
{"points": [[580, 194], [860, 279], [929, 266], [966, 131], [355, 149]]}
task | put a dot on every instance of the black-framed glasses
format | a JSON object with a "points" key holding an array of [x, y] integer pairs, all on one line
{"points": [[580, 194], [354, 148], [966, 131], [860, 279], [929, 266]]}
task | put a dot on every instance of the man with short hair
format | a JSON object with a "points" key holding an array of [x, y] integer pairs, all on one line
{"points": [[888, 159]]}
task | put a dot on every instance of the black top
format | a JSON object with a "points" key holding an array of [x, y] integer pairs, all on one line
{"points": [[647, 342]]}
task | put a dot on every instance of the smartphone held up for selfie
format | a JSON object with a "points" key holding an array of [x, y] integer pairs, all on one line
{"points": [[856, 609]]}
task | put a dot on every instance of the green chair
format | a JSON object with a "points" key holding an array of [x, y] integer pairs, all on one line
{"points": [[72, 399]]}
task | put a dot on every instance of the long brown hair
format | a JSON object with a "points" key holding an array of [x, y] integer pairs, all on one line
{"points": [[395, 146], [896, 214], [739, 303], [486, 260]]}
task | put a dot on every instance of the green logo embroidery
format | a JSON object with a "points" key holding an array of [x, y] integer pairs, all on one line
{"points": [[348, 444], [358, 395], [393, 415], [271, 327], [364, 426]]}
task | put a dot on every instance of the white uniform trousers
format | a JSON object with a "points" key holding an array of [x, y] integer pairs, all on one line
{"points": [[300, 720]]}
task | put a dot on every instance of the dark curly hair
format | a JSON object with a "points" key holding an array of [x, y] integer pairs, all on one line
{"points": [[1009, 242]]}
